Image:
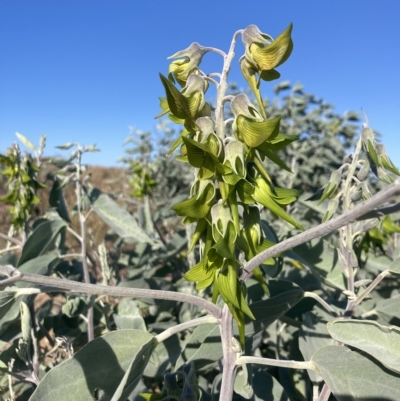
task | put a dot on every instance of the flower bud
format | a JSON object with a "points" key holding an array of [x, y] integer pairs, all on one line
{"points": [[363, 173]]}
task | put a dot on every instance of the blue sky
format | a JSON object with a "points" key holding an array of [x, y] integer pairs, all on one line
{"points": [[87, 70]]}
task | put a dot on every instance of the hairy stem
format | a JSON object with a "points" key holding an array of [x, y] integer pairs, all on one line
{"points": [[346, 235], [377, 280], [223, 86], [308, 294], [229, 355], [242, 360], [184, 326], [352, 215], [325, 393], [90, 328], [96, 289]]}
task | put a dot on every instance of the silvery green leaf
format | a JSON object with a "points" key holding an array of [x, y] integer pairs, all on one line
{"points": [[101, 364], [352, 375], [66, 146]]}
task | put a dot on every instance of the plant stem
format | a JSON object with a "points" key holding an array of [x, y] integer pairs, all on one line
{"points": [[90, 328], [229, 355], [356, 213], [377, 280], [346, 234], [97, 289], [242, 360], [223, 86], [10, 249], [325, 393], [11, 239], [184, 326], [309, 294]]}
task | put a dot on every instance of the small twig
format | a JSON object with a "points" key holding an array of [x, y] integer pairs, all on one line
{"points": [[14, 274], [325, 393], [215, 74], [228, 98], [11, 248], [75, 234], [308, 294], [35, 356], [321, 230], [377, 280], [184, 326], [315, 392], [11, 239], [71, 255], [88, 213], [223, 86], [242, 360], [213, 81], [215, 50], [82, 221], [10, 383]]}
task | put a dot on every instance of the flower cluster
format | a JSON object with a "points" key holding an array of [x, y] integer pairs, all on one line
{"points": [[231, 182]]}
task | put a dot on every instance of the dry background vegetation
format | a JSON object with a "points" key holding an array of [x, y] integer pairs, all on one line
{"points": [[108, 179]]}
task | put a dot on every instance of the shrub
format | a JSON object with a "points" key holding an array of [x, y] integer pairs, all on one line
{"points": [[284, 306]]}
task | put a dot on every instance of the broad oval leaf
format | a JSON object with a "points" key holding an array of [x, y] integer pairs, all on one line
{"points": [[352, 376], [102, 365], [41, 240], [40, 265], [381, 342], [120, 220]]}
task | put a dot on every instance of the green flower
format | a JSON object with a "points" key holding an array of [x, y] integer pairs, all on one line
{"points": [[180, 70], [264, 53]]}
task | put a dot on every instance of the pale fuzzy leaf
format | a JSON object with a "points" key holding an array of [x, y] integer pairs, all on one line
{"points": [[102, 364], [352, 376], [41, 240], [120, 220], [26, 322], [26, 142], [381, 342], [66, 146]]}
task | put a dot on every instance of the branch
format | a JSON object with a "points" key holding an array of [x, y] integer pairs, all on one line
{"points": [[96, 289], [377, 280], [357, 213]]}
